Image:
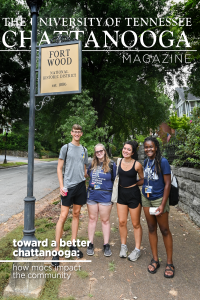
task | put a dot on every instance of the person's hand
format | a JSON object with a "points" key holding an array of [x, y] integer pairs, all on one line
{"points": [[62, 192], [159, 211]]}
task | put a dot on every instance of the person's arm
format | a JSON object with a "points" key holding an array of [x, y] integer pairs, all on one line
{"points": [[167, 181], [60, 175], [85, 163], [85, 171], [139, 169], [114, 170]]}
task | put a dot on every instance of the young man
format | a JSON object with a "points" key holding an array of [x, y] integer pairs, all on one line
{"points": [[74, 181]]}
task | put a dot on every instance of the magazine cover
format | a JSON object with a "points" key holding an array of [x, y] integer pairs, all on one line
{"points": [[99, 149]]}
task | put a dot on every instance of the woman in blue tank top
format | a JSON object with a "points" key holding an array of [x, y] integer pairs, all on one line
{"points": [[129, 198]]}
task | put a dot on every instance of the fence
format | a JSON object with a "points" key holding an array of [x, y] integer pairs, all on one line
{"points": [[169, 150]]}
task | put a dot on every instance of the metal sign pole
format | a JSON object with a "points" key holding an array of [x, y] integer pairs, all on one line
{"points": [[29, 201]]}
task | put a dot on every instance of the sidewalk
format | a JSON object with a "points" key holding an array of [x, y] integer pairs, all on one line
{"points": [[131, 280], [115, 278], [18, 219]]}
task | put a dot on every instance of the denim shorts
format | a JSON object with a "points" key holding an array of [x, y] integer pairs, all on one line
{"points": [[92, 202]]}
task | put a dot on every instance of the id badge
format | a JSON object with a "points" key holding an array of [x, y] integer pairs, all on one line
{"points": [[97, 187], [148, 189]]}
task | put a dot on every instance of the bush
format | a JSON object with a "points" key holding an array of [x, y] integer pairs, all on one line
{"points": [[38, 147], [140, 138], [48, 154], [14, 142], [176, 122], [17, 142], [190, 151]]}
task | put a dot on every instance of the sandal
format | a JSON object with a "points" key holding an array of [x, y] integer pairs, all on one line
{"points": [[155, 268], [169, 269]]}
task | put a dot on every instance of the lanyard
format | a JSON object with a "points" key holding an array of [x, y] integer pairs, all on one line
{"points": [[149, 170], [97, 171]]}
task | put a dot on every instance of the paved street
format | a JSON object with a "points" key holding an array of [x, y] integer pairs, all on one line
{"points": [[13, 185], [13, 159]]}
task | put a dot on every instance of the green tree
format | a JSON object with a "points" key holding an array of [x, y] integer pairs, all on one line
{"points": [[190, 9], [14, 67], [81, 112], [176, 122], [128, 97], [129, 92]]}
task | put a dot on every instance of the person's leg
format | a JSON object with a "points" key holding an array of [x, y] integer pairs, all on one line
{"points": [[104, 212], [93, 217], [153, 237], [135, 218], [167, 238], [75, 220], [60, 225], [122, 211]]}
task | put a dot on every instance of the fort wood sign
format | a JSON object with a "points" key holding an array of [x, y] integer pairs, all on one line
{"points": [[60, 68]]}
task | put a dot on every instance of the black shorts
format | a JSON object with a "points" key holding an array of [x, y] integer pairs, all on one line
{"points": [[76, 195], [129, 196]]}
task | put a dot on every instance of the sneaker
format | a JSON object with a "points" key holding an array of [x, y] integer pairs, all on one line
{"points": [[90, 249], [123, 251], [79, 254], [135, 254], [107, 251], [55, 263]]}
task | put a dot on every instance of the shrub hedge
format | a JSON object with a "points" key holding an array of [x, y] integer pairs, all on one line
{"points": [[17, 142]]}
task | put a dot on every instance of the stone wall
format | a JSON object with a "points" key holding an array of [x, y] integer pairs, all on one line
{"points": [[18, 153], [189, 191], [141, 155]]}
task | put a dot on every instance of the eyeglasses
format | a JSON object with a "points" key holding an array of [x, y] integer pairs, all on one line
{"points": [[77, 132], [98, 152]]}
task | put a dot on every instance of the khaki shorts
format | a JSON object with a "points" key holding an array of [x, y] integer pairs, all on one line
{"points": [[155, 203]]}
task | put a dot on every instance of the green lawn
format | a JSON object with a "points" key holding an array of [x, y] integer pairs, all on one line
{"points": [[45, 229], [49, 159], [13, 164]]}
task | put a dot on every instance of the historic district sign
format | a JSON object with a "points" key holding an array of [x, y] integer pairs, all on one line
{"points": [[60, 68]]}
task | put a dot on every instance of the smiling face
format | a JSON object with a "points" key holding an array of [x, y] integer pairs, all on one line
{"points": [[100, 153], [76, 134], [150, 149], [127, 151]]}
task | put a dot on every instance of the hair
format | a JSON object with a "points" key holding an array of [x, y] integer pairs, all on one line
{"points": [[76, 127], [134, 146], [158, 153], [106, 161]]}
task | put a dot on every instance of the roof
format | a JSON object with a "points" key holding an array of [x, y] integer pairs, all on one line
{"points": [[189, 96]]}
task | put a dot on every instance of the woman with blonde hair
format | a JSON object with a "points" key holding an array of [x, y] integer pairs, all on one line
{"points": [[102, 172]]}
